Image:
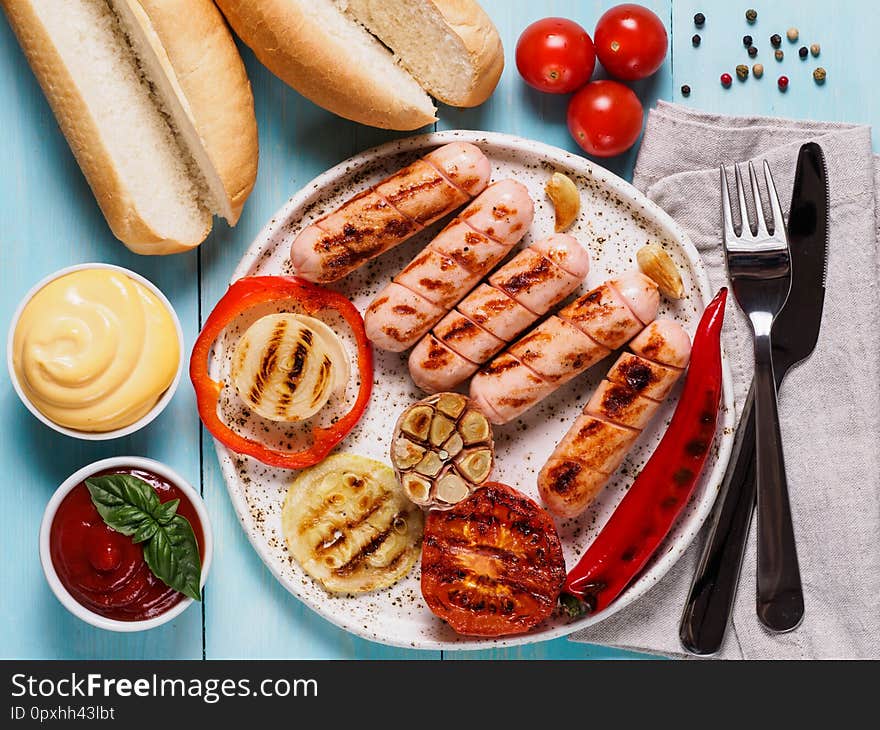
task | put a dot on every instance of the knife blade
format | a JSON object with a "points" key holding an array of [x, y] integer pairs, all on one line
{"points": [[795, 334]]}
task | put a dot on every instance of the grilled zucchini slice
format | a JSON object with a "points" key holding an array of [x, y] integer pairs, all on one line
{"points": [[348, 524]]}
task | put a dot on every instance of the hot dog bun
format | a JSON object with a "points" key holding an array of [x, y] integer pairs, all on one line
{"points": [[158, 112], [447, 48]]}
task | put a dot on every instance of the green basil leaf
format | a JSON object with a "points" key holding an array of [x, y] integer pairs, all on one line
{"points": [[145, 532], [173, 556], [131, 506], [166, 511], [123, 500]]}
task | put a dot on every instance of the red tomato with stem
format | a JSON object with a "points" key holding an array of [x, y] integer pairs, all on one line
{"points": [[555, 55], [631, 42], [605, 118]]}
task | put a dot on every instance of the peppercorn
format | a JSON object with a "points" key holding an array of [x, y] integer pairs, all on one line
{"points": [[742, 72], [696, 40], [779, 54], [758, 70], [803, 52], [751, 15], [819, 75], [726, 80], [815, 49], [776, 40], [699, 20], [685, 90], [782, 83], [793, 34], [752, 51], [747, 41]]}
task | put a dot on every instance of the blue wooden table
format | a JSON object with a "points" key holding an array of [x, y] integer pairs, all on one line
{"points": [[48, 220]]}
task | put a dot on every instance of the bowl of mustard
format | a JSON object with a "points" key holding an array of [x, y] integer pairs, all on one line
{"points": [[95, 351]]}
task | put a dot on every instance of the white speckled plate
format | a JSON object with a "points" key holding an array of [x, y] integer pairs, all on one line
{"points": [[615, 221]]}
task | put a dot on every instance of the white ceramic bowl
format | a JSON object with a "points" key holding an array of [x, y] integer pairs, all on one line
{"points": [[117, 462], [96, 435]]}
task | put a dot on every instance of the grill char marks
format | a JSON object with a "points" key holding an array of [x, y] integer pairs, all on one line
{"points": [[267, 363], [492, 565]]}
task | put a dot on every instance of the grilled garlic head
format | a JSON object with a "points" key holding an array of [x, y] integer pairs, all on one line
{"points": [[442, 450], [286, 366]]}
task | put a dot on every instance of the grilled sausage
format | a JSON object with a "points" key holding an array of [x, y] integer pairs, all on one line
{"points": [[389, 213], [455, 261], [565, 345], [623, 404], [528, 286]]}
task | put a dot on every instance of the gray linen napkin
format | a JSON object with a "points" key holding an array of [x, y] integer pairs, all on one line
{"points": [[829, 406]]}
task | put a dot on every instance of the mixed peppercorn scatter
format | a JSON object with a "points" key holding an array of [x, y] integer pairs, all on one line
{"points": [[757, 70]]}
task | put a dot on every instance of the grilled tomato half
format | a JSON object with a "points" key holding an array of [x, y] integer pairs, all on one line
{"points": [[492, 565]]}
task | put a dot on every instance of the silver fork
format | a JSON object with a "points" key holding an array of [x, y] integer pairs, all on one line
{"points": [[759, 266]]}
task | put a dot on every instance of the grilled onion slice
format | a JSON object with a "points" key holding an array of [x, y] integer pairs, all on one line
{"points": [[347, 523], [286, 366]]}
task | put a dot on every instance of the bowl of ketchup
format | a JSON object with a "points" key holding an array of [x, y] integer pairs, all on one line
{"points": [[100, 575]]}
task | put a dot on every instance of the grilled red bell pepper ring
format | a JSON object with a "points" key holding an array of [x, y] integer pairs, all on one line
{"points": [[243, 295], [662, 489]]}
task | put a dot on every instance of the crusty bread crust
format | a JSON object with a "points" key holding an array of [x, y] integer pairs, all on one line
{"points": [[213, 78], [483, 45], [303, 55], [84, 137]]}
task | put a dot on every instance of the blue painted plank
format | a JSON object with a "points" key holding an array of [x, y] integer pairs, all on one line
{"points": [[847, 33], [48, 220]]}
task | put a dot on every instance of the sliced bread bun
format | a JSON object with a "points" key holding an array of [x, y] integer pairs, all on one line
{"points": [[328, 58], [451, 47], [148, 176], [336, 53]]}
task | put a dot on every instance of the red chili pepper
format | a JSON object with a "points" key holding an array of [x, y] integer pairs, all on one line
{"points": [[657, 496], [243, 295]]}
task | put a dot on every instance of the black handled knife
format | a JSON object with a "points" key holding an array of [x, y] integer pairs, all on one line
{"points": [[795, 333]]}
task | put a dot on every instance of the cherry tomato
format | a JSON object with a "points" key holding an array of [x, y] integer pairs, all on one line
{"points": [[605, 118], [493, 564], [631, 41], [555, 55]]}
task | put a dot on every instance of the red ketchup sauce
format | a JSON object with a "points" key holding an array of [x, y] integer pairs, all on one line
{"points": [[103, 569]]}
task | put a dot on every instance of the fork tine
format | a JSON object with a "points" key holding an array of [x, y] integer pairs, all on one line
{"points": [[777, 219], [759, 207], [726, 219], [743, 207]]}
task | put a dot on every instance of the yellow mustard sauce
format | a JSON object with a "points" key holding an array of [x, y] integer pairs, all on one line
{"points": [[94, 350]]}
